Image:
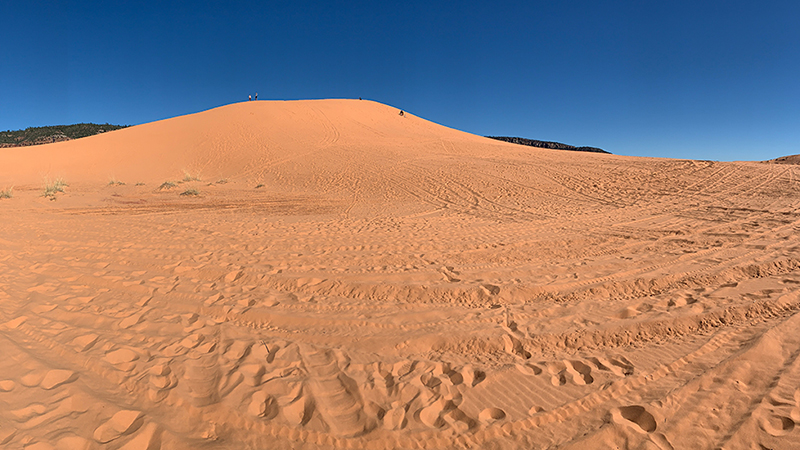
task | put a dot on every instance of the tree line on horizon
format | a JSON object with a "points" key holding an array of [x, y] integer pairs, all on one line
{"points": [[546, 144], [54, 133]]}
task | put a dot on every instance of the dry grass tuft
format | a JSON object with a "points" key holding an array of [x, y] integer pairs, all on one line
{"points": [[187, 177], [53, 188]]}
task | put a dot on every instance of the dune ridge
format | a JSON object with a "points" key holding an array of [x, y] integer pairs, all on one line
{"points": [[346, 277]]}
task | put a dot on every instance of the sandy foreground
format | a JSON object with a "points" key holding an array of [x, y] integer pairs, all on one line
{"points": [[346, 277]]}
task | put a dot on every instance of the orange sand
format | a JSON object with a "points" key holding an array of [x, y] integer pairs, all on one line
{"points": [[390, 284]]}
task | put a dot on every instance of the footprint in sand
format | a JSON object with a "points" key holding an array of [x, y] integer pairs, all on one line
{"points": [[123, 359], [627, 313], [161, 381], [263, 405], [149, 438], [237, 350], [55, 378], [623, 364], [577, 372], [490, 416], [202, 377], [299, 412], [253, 373], [618, 366], [395, 418], [529, 369], [634, 416], [28, 412], [122, 423], [32, 379], [682, 300], [132, 320], [431, 415], [85, 342], [776, 425], [558, 373], [581, 373], [514, 346]]}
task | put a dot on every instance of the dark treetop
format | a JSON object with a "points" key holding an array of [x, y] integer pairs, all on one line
{"points": [[547, 144]]}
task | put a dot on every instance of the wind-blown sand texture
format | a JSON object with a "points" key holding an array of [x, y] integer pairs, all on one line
{"points": [[392, 284]]}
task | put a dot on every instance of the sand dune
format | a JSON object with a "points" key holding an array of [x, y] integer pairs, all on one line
{"points": [[340, 276]]}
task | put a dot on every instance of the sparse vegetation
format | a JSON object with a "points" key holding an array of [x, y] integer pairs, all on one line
{"points": [[54, 187], [7, 193], [139, 184], [115, 182], [190, 192], [259, 186], [187, 177], [167, 185]]}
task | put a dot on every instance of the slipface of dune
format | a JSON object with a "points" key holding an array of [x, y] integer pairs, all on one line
{"points": [[331, 274]]}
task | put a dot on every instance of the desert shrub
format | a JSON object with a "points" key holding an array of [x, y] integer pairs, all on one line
{"points": [[167, 185], [189, 192], [187, 177], [51, 188], [7, 193]]}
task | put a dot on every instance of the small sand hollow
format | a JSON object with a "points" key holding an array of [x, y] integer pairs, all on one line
{"points": [[331, 274]]}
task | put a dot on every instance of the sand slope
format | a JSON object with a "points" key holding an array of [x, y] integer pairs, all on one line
{"points": [[391, 284]]}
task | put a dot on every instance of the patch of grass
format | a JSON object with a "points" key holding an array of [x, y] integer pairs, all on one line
{"points": [[222, 181], [191, 192], [139, 184], [54, 187], [259, 186], [187, 177], [115, 182], [7, 193], [167, 185]]}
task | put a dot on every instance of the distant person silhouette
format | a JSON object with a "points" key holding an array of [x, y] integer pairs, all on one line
{"points": [[256, 95], [249, 98], [401, 113]]}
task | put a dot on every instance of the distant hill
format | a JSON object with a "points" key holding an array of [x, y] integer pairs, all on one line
{"points": [[791, 159], [547, 144], [57, 133]]}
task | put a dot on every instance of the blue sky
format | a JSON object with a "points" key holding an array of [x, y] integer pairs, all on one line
{"points": [[680, 79]]}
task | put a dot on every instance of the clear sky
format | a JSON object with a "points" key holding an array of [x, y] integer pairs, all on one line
{"points": [[681, 79]]}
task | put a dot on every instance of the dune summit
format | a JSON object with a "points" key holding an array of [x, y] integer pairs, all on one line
{"points": [[330, 274]]}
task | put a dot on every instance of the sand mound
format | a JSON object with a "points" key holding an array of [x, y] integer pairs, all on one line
{"points": [[289, 144], [336, 275]]}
